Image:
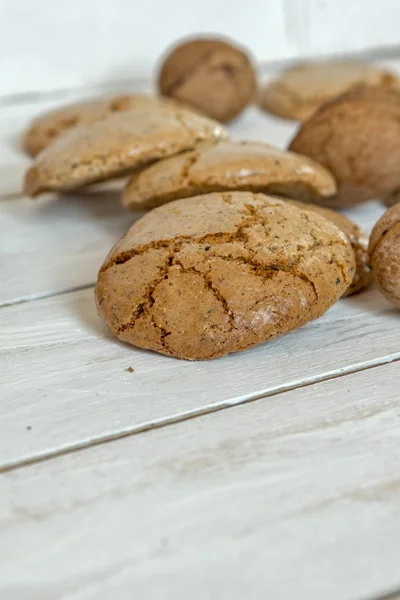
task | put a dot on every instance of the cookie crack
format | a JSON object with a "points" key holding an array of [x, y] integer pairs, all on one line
{"points": [[148, 302], [254, 215], [209, 285], [173, 244], [266, 272]]}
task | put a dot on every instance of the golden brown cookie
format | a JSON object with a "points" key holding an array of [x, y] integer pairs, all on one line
{"points": [[116, 145], [204, 276], [300, 90], [45, 128], [358, 239], [356, 137], [228, 166], [384, 249], [211, 75]]}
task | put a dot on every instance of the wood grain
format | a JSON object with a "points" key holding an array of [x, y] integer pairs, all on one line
{"points": [[65, 376], [295, 496]]}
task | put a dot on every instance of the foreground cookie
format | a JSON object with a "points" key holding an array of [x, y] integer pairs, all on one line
{"points": [[358, 239], [201, 277], [228, 166], [211, 75], [384, 248], [45, 128], [356, 137], [301, 90], [116, 144]]}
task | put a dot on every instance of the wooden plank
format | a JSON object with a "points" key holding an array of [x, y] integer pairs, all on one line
{"points": [[65, 376], [295, 496]]}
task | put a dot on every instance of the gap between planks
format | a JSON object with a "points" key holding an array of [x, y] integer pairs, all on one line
{"points": [[45, 295], [193, 414]]}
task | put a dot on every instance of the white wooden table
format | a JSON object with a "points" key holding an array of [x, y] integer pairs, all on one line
{"points": [[118, 484]]}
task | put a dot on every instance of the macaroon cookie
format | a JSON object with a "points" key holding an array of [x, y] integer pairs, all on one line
{"points": [[228, 166], [300, 90], [48, 126], [212, 75], [205, 276], [356, 137], [119, 143], [358, 239], [384, 249]]}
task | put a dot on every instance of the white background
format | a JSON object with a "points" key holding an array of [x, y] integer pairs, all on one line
{"points": [[58, 44]]}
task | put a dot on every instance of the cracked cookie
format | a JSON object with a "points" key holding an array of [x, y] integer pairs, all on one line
{"points": [[228, 166], [302, 89], [211, 75], [205, 276], [384, 249], [46, 127], [117, 144], [356, 137], [358, 239]]}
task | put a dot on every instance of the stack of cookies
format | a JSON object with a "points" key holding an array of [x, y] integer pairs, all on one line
{"points": [[240, 243]]}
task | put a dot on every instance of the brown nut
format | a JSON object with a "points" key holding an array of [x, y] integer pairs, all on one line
{"points": [[358, 239], [116, 145], [48, 126], [211, 75], [384, 249], [204, 276], [356, 137], [228, 166], [300, 90]]}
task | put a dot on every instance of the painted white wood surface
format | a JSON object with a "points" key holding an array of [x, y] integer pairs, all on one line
{"points": [[64, 375], [60, 366], [293, 495], [296, 496], [48, 45]]}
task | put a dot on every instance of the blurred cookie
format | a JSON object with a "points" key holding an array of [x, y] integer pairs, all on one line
{"points": [[205, 276], [356, 137], [384, 248], [116, 145], [228, 166], [358, 239], [393, 199], [211, 75], [45, 128], [302, 89]]}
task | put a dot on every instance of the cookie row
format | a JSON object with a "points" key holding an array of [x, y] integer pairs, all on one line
{"points": [[109, 147], [222, 263]]}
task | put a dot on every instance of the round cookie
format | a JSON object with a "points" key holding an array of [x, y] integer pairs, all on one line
{"points": [[45, 128], [358, 239], [211, 75], [228, 166], [356, 137], [116, 145], [384, 249], [205, 276], [302, 89]]}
